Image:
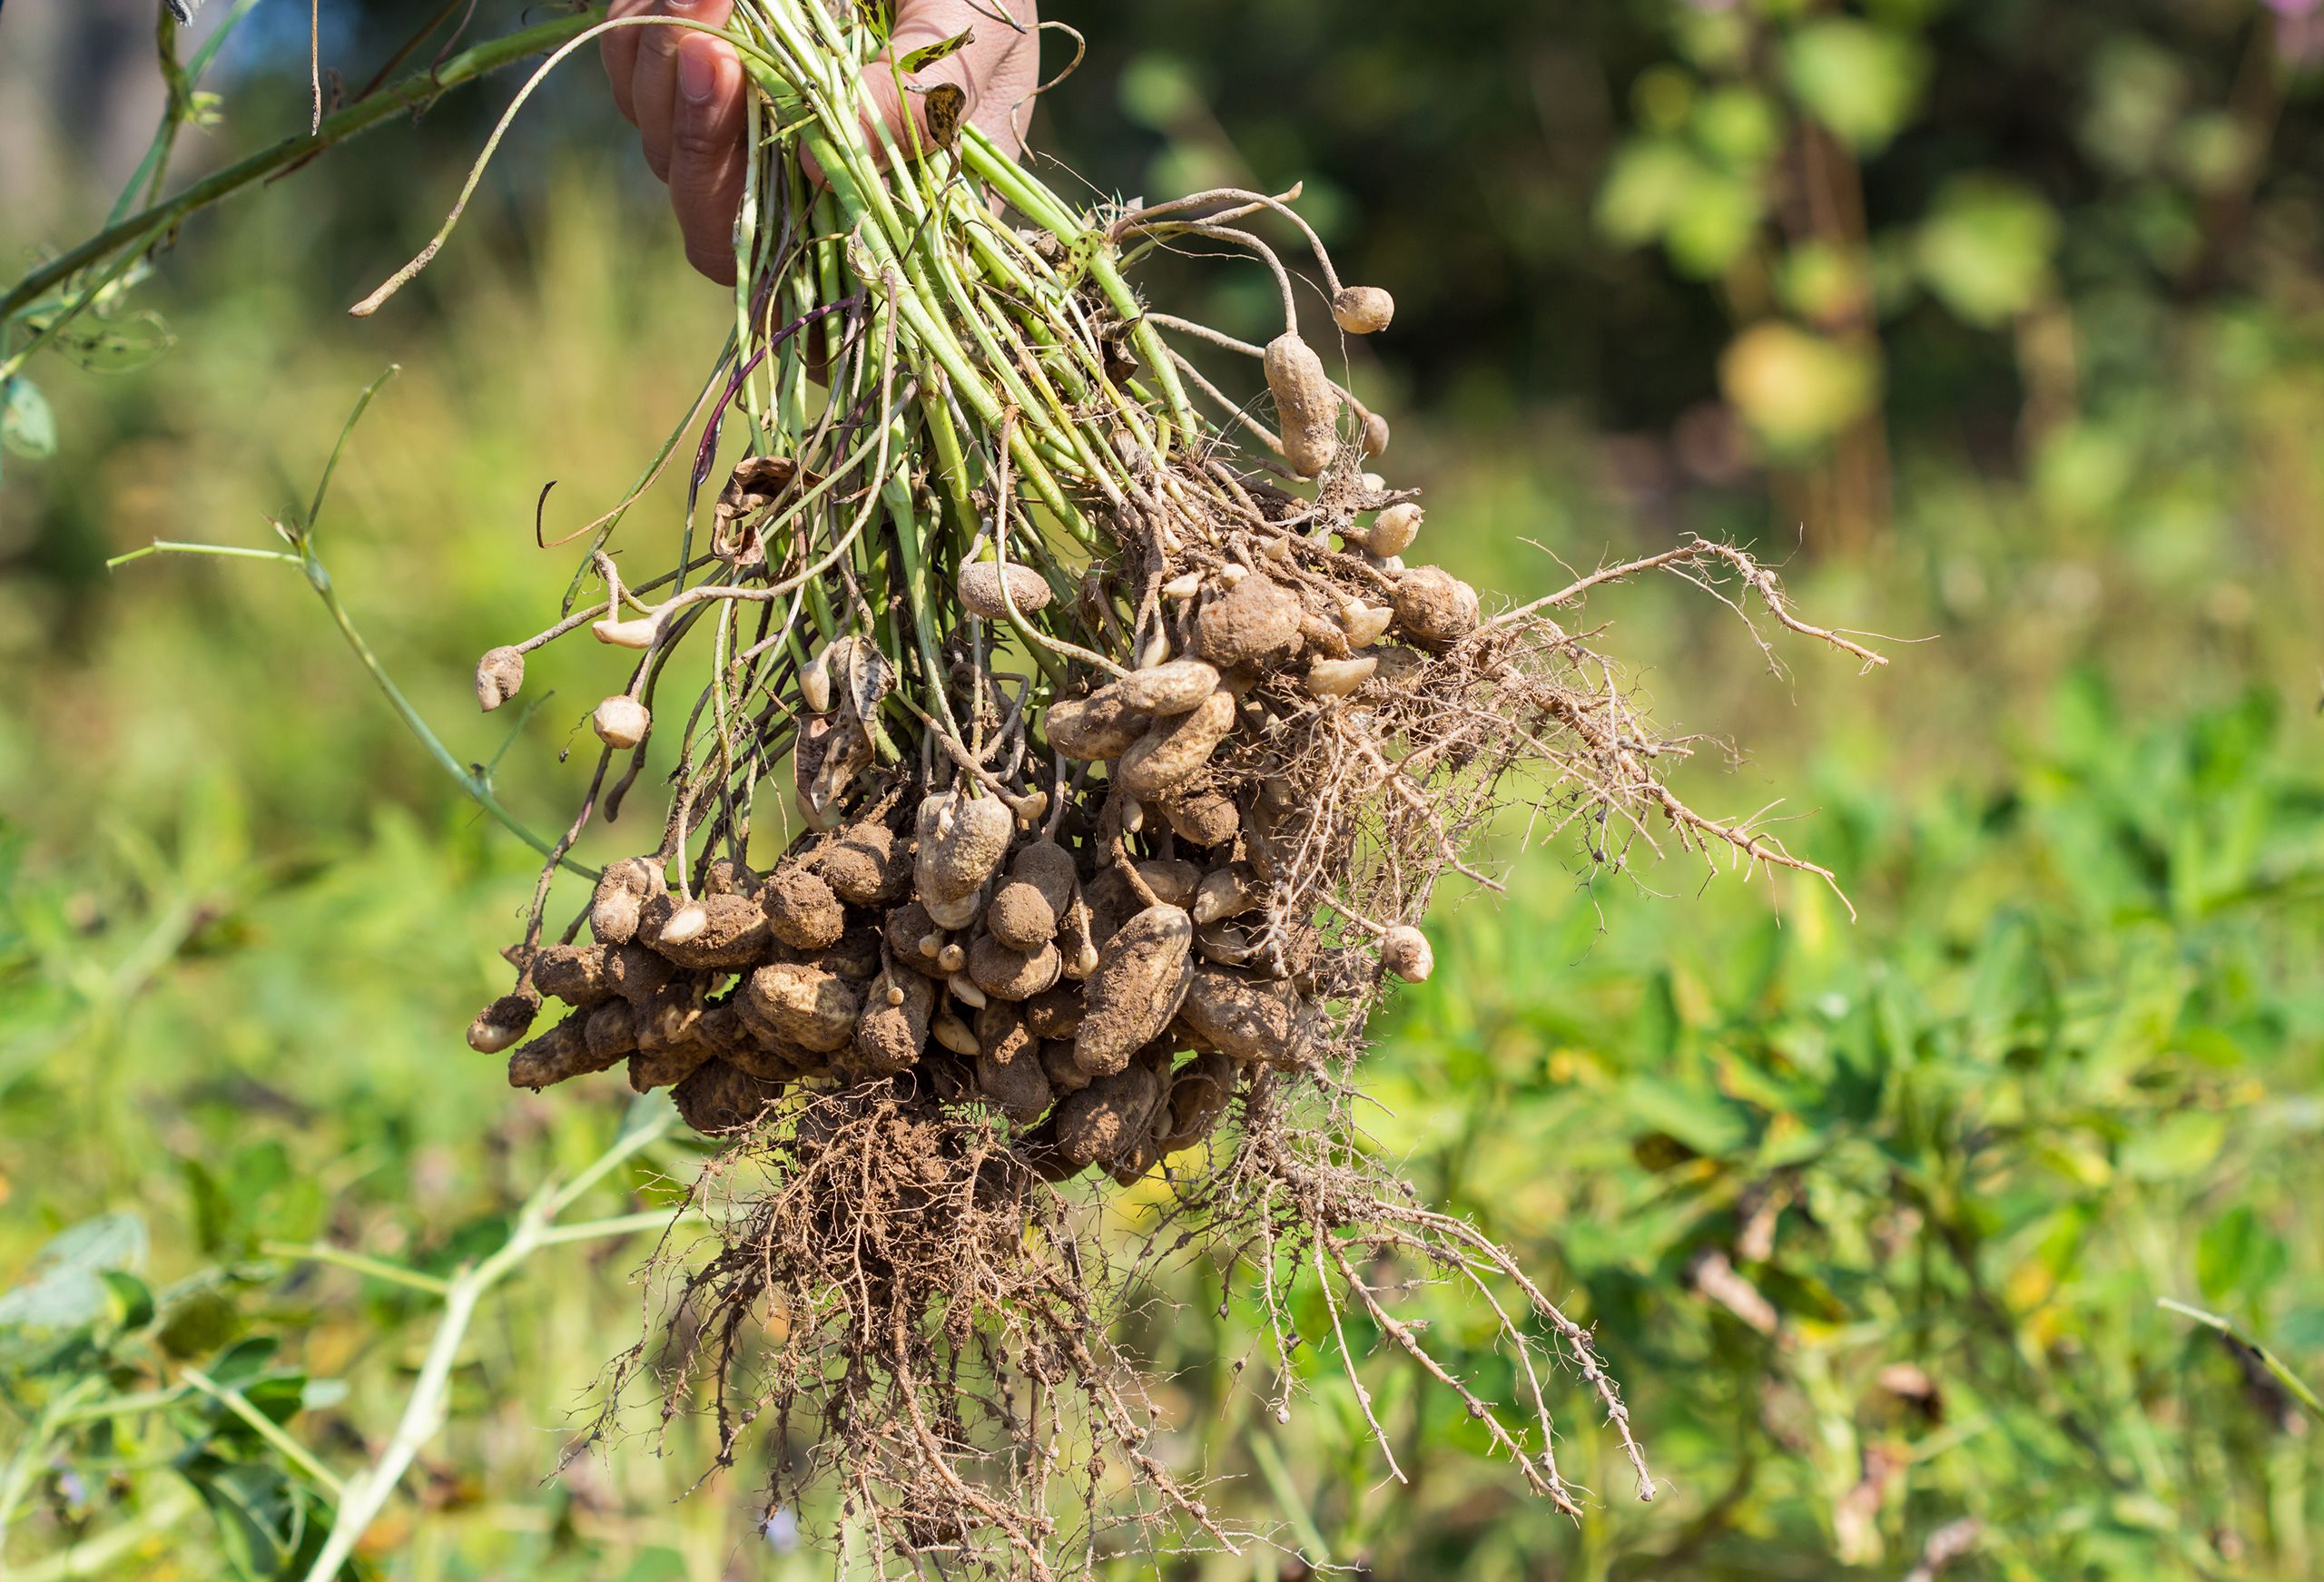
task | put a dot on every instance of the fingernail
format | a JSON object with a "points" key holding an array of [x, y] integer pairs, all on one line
{"points": [[697, 72]]}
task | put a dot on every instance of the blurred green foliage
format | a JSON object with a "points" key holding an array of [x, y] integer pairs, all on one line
{"points": [[1870, 1216]]}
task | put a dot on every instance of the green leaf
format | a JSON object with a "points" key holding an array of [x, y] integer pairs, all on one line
{"points": [[2177, 1148], [1986, 248], [132, 1298], [26, 425], [2237, 1255], [1737, 127], [1658, 189], [262, 1515], [927, 55], [199, 1322], [1862, 82], [116, 346], [1796, 387], [1698, 1117], [65, 1288], [243, 1361]]}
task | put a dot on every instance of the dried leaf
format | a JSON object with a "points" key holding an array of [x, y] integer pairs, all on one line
{"points": [[943, 49]]}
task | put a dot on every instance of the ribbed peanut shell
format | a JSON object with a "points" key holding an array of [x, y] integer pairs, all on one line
{"points": [[1307, 407]]}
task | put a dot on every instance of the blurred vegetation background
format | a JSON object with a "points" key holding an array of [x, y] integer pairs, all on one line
{"points": [[2002, 324]]}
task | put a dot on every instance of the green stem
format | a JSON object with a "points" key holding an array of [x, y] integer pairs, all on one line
{"points": [[469, 781], [30, 1457], [419, 89], [266, 1428], [93, 1558], [368, 1493], [2294, 1386], [359, 1262]]}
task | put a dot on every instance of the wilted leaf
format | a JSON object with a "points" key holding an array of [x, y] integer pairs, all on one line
{"points": [[26, 425]]}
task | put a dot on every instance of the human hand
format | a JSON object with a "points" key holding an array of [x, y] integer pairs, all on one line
{"points": [[683, 91]]}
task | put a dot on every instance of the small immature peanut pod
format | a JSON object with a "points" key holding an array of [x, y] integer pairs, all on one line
{"points": [[953, 1034], [1075, 945], [1172, 688], [1154, 650], [1363, 309], [1404, 951], [1393, 530], [1182, 588], [1321, 638], [981, 585], [1306, 408], [499, 676], [1375, 435], [635, 634], [966, 992], [685, 925], [1365, 624], [949, 955], [957, 913], [620, 722], [816, 683], [1335, 678], [502, 1023]]}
